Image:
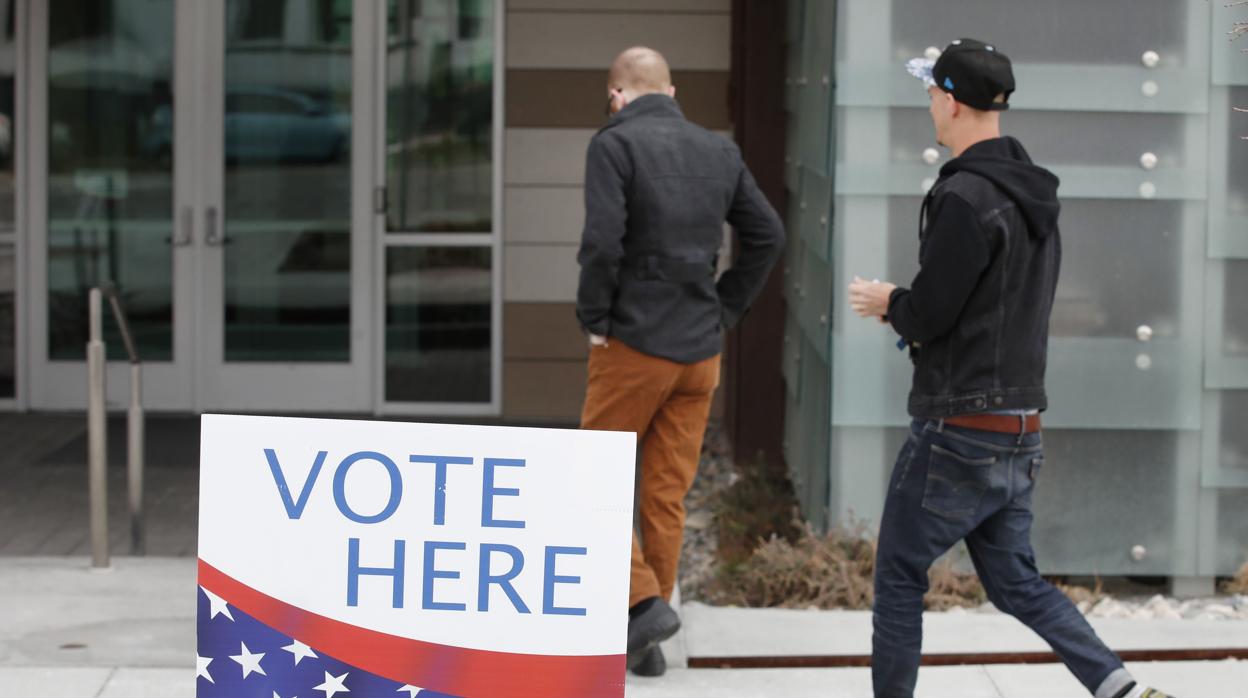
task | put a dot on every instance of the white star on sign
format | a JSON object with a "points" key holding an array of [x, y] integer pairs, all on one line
{"points": [[332, 685], [300, 651], [248, 661], [201, 668], [217, 605], [411, 690], [277, 696]]}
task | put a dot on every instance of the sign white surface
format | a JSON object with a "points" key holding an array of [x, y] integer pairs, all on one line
{"points": [[518, 541]]}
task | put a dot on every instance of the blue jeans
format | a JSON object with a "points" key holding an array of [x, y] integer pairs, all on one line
{"points": [[950, 484]]}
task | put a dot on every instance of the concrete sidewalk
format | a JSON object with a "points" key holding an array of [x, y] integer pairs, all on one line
{"points": [[67, 632]]}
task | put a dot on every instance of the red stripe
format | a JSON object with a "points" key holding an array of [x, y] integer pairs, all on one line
{"points": [[455, 670]]}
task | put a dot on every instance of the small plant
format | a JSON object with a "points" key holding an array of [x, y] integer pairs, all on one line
{"points": [[1237, 584], [1081, 594], [759, 505]]}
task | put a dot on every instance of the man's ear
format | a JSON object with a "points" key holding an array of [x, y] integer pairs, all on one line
{"points": [[954, 106], [671, 91]]}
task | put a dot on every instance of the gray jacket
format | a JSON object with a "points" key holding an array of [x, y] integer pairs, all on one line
{"points": [[658, 190]]}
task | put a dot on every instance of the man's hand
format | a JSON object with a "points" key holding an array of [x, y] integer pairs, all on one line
{"points": [[870, 298], [597, 340]]}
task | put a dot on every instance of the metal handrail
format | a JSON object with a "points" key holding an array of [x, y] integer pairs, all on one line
{"points": [[97, 436]]}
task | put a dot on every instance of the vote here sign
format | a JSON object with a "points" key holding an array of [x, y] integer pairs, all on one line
{"points": [[355, 558]]}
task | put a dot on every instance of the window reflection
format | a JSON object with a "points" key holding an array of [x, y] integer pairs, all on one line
{"points": [[1235, 319], [287, 146], [438, 323], [1233, 451], [1237, 164], [439, 115], [110, 184]]}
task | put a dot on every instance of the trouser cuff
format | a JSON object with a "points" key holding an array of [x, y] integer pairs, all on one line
{"points": [[1114, 684]]}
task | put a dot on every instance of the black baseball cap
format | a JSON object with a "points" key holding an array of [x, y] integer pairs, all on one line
{"points": [[974, 72]]}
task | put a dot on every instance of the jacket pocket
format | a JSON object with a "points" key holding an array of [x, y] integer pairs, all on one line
{"points": [[955, 484]]}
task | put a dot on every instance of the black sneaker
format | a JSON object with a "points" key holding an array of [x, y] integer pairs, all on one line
{"points": [[653, 664], [648, 628]]}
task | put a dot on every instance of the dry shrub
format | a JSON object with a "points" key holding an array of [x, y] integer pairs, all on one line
{"points": [[1079, 594], [759, 506], [1237, 584], [951, 588], [830, 571]]}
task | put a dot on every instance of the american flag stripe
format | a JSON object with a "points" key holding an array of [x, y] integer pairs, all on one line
{"points": [[380, 664]]}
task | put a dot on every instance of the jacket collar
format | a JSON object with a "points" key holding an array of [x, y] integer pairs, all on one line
{"points": [[656, 105]]}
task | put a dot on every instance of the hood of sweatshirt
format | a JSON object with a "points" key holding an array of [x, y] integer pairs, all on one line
{"points": [[1005, 163]]}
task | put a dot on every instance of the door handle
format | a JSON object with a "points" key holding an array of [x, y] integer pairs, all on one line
{"points": [[213, 236], [184, 231]]}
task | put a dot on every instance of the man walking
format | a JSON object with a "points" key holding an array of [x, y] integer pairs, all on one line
{"points": [[658, 190], [976, 321]]}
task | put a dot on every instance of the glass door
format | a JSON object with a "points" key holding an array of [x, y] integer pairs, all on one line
{"points": [[284, 326], [103, 191], [201, 157], [439, 151]]}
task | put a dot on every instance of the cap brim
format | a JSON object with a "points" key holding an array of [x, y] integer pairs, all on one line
{"points": [[921, 68]]}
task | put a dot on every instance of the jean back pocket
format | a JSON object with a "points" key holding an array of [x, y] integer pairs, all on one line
{"points": [[956, 484]]}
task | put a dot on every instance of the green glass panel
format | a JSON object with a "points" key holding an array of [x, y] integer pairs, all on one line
{"points": [[814, 97], [815, 222], [1230, 61], [1101, 33], [1045, 87], [1128, 486], [288, 181], [1230, 531], [1234, 315], [1232, 448], [814, 304], [110, 176], [440, 115], [438, 324], [816, 433], [791, 360]]}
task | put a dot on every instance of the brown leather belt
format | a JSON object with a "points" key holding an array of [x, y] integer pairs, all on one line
{"points": [[1002, 423]]}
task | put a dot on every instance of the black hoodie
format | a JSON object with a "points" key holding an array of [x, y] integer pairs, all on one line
{"points": [[977, 314]]}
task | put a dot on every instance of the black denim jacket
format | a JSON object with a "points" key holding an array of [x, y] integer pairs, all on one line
{"points": [[977, 314], [658, 190]]}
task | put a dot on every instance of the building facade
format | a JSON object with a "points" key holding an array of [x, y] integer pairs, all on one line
{"points": [[1130, 103], [373, 207], [334, 206]]}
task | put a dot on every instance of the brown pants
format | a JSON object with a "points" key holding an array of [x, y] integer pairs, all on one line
{"points": [[666, 404]]}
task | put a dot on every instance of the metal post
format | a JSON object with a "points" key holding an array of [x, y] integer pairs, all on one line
{"points": [[134, 429], [97, 436], [134, 460]]}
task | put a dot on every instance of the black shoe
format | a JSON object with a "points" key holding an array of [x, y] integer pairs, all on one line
{"points": [[653, 664], [648, 628]]}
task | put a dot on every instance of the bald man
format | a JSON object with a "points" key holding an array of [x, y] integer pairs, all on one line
{"points": [[658, 190]]}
